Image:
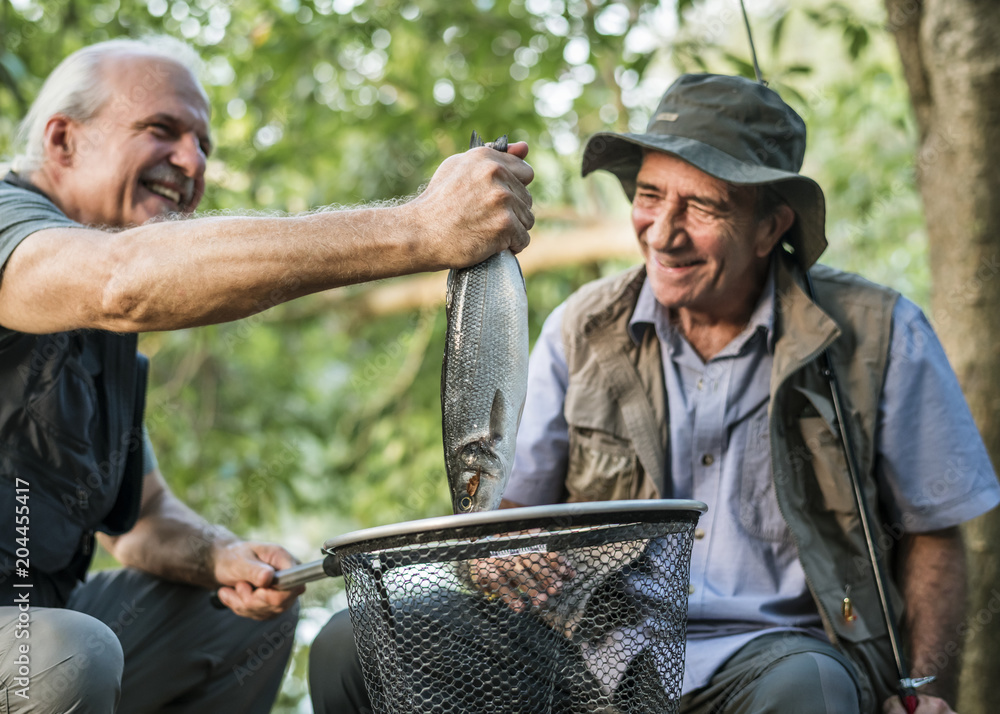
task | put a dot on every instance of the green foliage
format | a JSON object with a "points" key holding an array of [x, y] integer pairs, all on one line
{"points": [[315, 417], [337, 101]]}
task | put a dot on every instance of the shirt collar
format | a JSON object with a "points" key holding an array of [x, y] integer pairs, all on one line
{"points": [[15, 179], [649, 313]]}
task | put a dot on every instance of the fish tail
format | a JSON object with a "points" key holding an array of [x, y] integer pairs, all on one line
{"points": [[476, 140]]}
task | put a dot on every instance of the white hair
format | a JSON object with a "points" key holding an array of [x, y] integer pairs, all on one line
{"points": [[76, 88]]}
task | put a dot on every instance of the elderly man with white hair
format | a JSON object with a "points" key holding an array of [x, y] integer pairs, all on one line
{"points": [[117, 137]]}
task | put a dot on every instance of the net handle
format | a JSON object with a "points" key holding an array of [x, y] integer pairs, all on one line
{"points": [[291, 578]]}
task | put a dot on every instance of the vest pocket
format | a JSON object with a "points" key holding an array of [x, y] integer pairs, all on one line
{"points": [[602, 466], [757, 509], [829, 464], [66, 406]]}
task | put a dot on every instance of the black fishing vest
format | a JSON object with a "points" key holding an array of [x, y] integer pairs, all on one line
{"points": [[71, 410]]}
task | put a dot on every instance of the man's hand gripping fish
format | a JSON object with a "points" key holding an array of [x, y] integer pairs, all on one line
{"points": [[484, 378]]}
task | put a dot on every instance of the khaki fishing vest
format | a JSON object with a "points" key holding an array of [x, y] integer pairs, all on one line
{"points": [[616, 408]]}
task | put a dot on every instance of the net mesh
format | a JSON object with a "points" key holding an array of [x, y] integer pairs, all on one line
{"points": [[560, 617]]}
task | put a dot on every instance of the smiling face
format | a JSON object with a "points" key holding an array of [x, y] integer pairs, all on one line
{"points": [[143, 154], [706, 252]]}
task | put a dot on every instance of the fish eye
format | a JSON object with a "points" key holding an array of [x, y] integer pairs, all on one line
{"points": [[465, 503]]}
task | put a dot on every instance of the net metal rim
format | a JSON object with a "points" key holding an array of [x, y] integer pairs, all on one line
{"points": [[564, 514]]}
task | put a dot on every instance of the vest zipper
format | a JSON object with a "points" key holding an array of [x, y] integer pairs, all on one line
{"points": [[821, 606]]}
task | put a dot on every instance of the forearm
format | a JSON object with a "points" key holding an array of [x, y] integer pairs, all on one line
{"points": [[212, 270], [172, 542], [184, 273], [934, 587]]}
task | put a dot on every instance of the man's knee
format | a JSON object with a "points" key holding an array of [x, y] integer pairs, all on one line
{"points": [[806, 683], [336, 683], [75, 662]]}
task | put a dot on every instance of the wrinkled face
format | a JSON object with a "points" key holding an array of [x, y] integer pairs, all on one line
{"points": [[143, 155], [703, 245]]}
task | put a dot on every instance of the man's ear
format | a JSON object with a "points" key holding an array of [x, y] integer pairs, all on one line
{"points": [[772, 228], [60, 140]]}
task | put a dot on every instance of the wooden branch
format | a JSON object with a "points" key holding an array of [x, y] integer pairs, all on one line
{"points": [[904, 22]]}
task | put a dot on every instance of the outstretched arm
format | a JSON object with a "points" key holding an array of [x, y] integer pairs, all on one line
{"points": [[183, 273], [173, 542]]}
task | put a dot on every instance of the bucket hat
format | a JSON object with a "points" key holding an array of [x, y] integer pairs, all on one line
{"points": [[731, 128]]}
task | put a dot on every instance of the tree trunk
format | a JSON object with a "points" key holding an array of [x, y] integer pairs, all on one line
{"points": [[949, 50]]}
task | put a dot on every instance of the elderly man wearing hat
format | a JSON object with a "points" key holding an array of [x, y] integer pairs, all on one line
{"points": [[700, 375]]}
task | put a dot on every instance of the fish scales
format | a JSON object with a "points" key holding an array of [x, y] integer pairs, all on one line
{"points": [[484, 378]]}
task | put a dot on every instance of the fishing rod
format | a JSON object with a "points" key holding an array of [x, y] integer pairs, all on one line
{"points": [[907, 685], [753, 52]]}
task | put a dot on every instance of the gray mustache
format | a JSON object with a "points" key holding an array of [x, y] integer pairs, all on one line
{"points": [[168, 174]]}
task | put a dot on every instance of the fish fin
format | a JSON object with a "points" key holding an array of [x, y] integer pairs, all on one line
{"points": [[520, 272], [476, 140], [450, 291], [498, 418]]}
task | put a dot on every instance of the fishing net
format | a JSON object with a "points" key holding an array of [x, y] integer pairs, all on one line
{"points": [[575, 611]]}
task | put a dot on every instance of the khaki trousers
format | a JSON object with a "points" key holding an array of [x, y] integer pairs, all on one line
{"points": [[783, 673], [141, 644]]}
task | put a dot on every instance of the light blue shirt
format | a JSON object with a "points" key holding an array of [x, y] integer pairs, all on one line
{"points": [[746, 579]]}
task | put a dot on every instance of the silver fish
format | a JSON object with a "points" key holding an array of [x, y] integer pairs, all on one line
{"points": [[484, 378]]}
